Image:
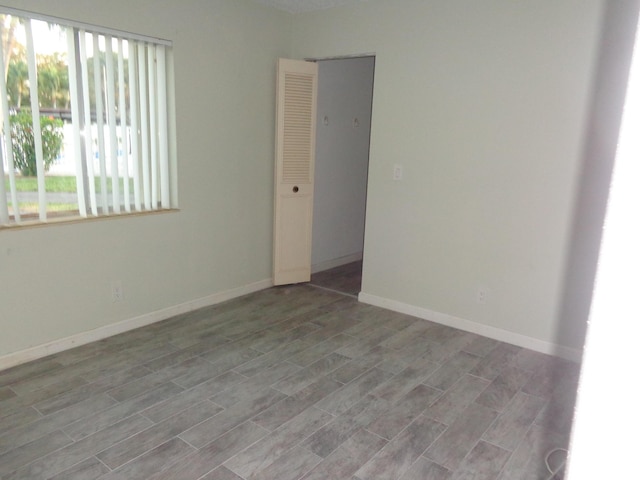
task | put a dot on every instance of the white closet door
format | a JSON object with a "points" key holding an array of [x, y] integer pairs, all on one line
{"points": [[295, 154]]}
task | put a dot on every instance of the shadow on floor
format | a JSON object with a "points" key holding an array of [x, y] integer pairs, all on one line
{"points": [[346, 279]]}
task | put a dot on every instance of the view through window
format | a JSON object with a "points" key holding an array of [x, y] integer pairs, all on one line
{"points": [[85, 121]]}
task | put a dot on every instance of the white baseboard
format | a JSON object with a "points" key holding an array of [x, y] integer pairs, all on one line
{"points": [[473, 327], [83, 338], [336, 262]]}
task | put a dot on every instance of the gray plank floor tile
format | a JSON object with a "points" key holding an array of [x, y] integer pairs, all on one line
{"points": [[398, 455], [492, 365], [87, 426], [285, 410], [528, 460], [402, 383], [272, 359], [179, 356], [73, 453], [31, 397], [353, 392], [481, 346], [28, 370], [17, 417], [292, 465], [6, 393], [206, 372], [512, 425], [141, 442], [104, 384], [408, 336], [424, 469], [321, 349], [557, 415], [267, 450], [230, 418], [62, 376], [398, 416], [277, 336], [461, 436], [142, 385], [185, 399], [153, 461], [353, 369], [365, 342], [339, 430], [255, 387], [502, 388], [213, 454], [221, 473], [313, 372], [289, 382], [483, 463], [455, 400], [88, 469], [452, 370], [346, 459], [20, 456], [58, 420]]}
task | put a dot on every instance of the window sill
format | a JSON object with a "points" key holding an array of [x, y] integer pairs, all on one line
{"points": [[32, 221]]}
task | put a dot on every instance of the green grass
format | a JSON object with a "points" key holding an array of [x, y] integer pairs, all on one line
{"points": [[64, 184], [32, 208], [54, 184]]}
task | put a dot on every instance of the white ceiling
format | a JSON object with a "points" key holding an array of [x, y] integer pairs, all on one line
{"points": [[297, 6]]}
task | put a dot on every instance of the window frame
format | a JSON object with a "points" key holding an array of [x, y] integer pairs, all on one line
{"points": [[150, 89]]}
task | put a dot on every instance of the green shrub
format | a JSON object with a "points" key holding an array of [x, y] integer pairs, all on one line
{"points": [[24, 150]]}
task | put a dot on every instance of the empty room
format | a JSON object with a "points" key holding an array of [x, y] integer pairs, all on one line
{"points": [[157, 318]]}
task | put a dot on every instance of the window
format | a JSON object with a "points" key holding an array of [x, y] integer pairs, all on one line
{"points": [[86, 121]]}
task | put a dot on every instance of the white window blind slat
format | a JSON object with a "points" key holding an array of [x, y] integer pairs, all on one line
{"points": [[111, 124], [122, 108], [88, 137], [153, 123], [75, 116], [144, 126], [35, 115], [133, 110], [7, 141], [4, 207], [163, 145], [102, 157]]}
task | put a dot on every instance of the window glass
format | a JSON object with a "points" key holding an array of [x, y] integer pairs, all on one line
{"points": [[85, 128]]}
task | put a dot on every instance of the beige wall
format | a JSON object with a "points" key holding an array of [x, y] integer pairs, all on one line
{"points": [[484, 104], [56, 280], [342, 160]]}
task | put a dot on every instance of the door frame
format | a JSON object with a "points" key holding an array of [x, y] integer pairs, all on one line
{"points": [[350, 57]]}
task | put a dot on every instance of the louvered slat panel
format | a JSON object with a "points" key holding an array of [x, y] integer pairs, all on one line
{"points": [[295, 151], [298, 123]]}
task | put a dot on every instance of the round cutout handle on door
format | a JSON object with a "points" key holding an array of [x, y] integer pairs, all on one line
{"points": [[295, 189]]}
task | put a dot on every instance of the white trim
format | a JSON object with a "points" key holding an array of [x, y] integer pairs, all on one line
{"points": [[336, 262], [84, 26], [473, 327], [83, 338], [340, 57]]}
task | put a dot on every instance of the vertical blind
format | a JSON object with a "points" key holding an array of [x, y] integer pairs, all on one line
{"points": [[119, 114]]}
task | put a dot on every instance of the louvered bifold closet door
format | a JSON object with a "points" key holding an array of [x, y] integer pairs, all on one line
{"points": [[295, 154]]}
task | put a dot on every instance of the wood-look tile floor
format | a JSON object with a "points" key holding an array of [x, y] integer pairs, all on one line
{"points": [[344, 279], [287, 383]]}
